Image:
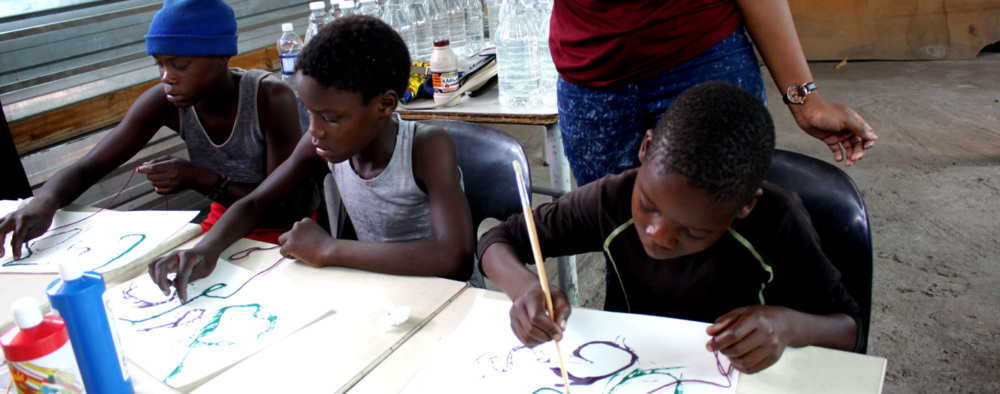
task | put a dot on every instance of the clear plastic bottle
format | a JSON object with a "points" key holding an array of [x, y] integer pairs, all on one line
{"points": [[493, 10], [317, 19], [347, 8], [473, 26], [422, 34], [396, 14], [369, 7], [440, 26], [456, 23], [546, 68], [289, 46], [517, 56], [82, 302], [334, 12]]}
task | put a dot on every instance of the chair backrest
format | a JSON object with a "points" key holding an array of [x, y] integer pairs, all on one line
{"points": [[839, 215], [485, 154]]}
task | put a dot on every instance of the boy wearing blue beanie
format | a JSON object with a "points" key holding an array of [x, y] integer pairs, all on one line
{"points": [[238, 125]]}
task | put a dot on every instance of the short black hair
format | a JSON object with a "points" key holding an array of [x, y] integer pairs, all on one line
{"points": [[719, 137], [357, 54]]}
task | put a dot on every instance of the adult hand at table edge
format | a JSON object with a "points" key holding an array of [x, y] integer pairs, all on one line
{"points": [[529, 318], [188, 264]]}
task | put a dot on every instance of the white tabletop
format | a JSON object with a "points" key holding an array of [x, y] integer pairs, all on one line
{"points": [[800, 370]]}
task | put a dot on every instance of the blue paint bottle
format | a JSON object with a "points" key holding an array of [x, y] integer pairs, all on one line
{"points": [[80, 299]]}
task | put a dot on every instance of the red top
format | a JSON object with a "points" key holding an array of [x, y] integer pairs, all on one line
{"points": [[598, 42], [25, 345]]}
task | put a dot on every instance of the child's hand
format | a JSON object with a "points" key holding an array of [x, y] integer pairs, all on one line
{"points": [[170, 175], [529, 317], [189, 264], [753, 337], [23, 225], [307, 242]]}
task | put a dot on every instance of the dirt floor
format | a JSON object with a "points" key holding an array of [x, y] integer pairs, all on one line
{"points": [[932, 188]]}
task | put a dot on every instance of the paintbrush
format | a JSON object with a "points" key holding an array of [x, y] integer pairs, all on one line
{"points": [[529, 220]]}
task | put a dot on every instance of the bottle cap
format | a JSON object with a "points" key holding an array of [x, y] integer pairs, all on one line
{"points": [[70, 270], [286, 27], [442, 43], [26, 313], [317, 5]]}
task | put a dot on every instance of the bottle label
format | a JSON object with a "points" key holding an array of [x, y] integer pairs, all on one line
{"points": [[55, 372], [114, 335], [288, 63], [445, 82]]}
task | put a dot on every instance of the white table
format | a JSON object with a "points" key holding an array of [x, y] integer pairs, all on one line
{"points": [[337, 349], [800, 370]]}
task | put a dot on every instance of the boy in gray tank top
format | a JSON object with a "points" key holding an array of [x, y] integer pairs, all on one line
{"points": [[399, 180], [192, 42]]}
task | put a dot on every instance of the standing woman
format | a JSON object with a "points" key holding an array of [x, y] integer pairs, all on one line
{"points": [[622, 62]]}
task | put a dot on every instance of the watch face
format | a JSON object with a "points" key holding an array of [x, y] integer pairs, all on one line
{"points": [[796, 93]]}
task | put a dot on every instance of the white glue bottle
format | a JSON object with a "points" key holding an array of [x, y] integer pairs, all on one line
{"points": [[82, 302], [38, 352], [444, 73]]}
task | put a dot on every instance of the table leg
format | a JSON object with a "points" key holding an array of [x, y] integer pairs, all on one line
{"points": [[559, 177]]}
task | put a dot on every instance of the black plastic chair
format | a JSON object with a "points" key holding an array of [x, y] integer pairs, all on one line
{"points": [[485, 155], [839, 215]]}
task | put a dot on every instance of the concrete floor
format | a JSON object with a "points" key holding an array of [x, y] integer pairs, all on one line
{"points": [[931, 185]]}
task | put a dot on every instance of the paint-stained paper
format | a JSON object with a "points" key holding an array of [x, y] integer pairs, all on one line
{"points": [[102, 242], [229, 316], [605, 352]]}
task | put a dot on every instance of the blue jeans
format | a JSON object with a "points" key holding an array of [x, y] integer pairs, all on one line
{"points": [[602, 128]]}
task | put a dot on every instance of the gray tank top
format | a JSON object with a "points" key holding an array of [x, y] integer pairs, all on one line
{"points": [[242, 157], [390, 207]]}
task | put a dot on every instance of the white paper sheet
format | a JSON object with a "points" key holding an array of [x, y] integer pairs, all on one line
{"points": [[103, 242], [229, 316], [604, 352]]}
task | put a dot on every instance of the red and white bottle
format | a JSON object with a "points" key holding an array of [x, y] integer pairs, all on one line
{"points": [[39, 353]]}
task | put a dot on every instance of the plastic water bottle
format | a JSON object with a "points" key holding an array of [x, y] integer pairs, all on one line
{"points": [[440, 25], [396, 15], [368, 7], [289, 46], [422, 35], [81, 301], [473, 26], [517, 56], [334, 12], [348, 8], [317, 19], [36, 346], [493, 8], [546, 68], [456, 23]]}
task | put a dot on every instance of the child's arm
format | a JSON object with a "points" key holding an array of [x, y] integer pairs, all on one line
{"points": [[144, 118], [277, 112], [754, 337], [448, 254], [528, 316], [239, 220]]}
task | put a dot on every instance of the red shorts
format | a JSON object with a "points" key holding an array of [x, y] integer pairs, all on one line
{"points": [[269, 235]]}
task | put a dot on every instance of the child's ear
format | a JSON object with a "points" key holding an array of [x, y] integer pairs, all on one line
{"points": [[645, 145], [387, 102], [748, 207]]}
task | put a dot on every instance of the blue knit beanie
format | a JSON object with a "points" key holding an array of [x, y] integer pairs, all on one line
{"points": [[193, 28]]}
